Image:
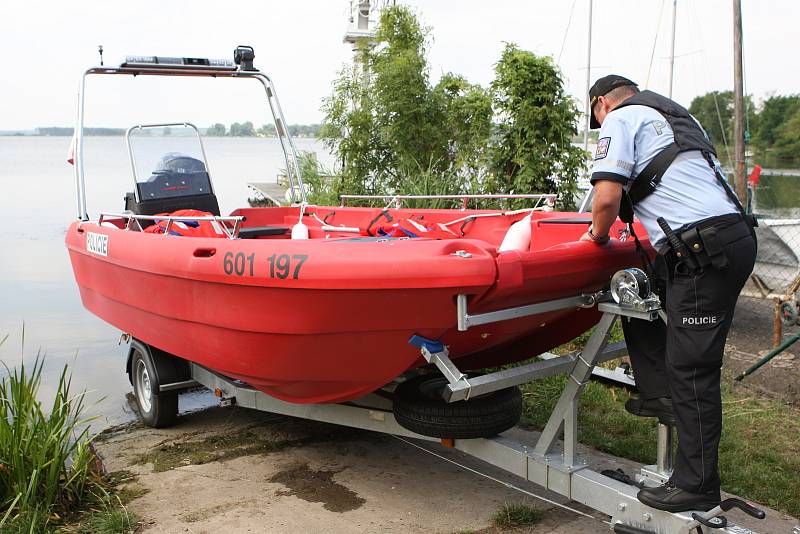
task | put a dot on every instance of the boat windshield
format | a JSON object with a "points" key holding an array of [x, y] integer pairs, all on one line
{"points": [[168, 161]]}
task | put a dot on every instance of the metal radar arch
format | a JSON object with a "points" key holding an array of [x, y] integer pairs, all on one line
{"points": [[240, 67]]}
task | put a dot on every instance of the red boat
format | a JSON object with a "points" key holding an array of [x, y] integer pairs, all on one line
{"points": [[328, 318]]}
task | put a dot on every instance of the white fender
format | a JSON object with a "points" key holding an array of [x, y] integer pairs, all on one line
{"points": [[518, 236]]}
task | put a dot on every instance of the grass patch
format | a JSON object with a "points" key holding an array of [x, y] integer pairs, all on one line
{"points": [[516, 515], [211, 449], [50, 476], [47, 463], [112, 520], [759, 449]]}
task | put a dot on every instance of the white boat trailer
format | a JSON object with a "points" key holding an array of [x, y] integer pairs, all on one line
{"points": [[561, 471]]}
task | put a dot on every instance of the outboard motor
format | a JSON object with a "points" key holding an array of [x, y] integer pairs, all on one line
{"points": [[179, 182]]}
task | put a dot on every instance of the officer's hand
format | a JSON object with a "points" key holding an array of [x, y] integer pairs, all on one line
{"points": [[599, 241]]}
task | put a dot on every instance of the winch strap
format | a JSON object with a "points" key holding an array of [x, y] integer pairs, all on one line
{"points": [[647, 180]]}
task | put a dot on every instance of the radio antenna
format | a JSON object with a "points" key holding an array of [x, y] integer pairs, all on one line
{"points": [[100, 51]]}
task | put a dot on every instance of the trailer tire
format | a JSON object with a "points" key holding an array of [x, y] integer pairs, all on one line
{"points": [[157, 409], [419, 407]]}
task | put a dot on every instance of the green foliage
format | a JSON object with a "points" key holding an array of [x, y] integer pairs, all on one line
{"points": [[532, 151], [321, 186], [244, 129], [216, 130], [408, 120], [467, 127], [393, 132], [774, 113], [46, 458], [714, 110], [112, 519], [787, 141], [349, 130]]}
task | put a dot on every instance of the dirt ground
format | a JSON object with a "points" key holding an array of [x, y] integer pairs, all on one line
{"points": [[236, 470], [750, 338]]}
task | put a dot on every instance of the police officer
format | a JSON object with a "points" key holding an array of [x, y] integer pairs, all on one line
{"points": [[653, 159]]}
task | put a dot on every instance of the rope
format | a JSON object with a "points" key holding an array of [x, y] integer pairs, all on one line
{"points": [[502, 483], [705, 75], [655, 41], [566, 32]]}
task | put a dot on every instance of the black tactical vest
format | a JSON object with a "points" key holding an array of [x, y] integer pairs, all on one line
{"points": [[688, 135]]}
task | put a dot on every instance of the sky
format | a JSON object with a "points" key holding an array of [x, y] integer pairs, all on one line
{"points": [[46, 45]]}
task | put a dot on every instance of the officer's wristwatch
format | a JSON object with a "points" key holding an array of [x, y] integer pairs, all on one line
{"points": [[597, 238]]}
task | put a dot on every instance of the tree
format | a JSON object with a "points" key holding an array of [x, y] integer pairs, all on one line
{"points": [[394, 132], [349, 128], [467, 125], [216, 130], [268, 130], [714, 110], [775, 111], [532, 150], [787, 138], [244, 129]]}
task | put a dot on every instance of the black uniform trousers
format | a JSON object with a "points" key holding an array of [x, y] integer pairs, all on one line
{"points": [[682, 359]]}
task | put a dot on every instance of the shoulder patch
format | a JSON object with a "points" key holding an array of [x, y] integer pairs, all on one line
{"points": [[602, 148]]}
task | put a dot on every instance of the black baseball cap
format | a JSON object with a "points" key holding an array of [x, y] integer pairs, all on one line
{"points": [[602, 87]]}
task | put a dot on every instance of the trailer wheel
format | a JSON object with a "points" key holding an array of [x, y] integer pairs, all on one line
{"points": [[419, 407], [157, 409]]}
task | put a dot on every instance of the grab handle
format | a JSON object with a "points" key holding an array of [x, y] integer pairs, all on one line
{"points": [[204, 252]]}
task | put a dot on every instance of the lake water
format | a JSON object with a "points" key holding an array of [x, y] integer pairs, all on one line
{"points": [[37, 288]]}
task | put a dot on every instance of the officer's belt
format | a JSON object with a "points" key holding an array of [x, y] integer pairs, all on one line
{"points": [[707, 239]]}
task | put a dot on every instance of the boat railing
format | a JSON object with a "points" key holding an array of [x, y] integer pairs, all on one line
{"points": [[232, 232], [547, 201]]}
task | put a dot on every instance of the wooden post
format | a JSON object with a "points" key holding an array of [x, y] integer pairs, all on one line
{"points": [[738, 104]]}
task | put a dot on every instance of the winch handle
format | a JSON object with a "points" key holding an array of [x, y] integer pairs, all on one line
{"points": [[746, 507]]}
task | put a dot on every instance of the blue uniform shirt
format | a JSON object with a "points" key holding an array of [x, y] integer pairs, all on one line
{"points": [[630, 137]]}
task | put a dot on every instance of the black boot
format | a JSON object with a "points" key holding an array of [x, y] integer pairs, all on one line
{"points": [[673, 499], [660, 407]]}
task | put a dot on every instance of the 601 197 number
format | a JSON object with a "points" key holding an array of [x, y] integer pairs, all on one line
{"points": [[281, 265]]}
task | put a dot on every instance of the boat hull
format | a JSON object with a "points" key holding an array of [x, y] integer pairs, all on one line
{"points": [[340, 328]]}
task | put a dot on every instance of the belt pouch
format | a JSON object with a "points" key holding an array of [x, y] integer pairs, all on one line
{"points": [[713, 247], [692, 240]]}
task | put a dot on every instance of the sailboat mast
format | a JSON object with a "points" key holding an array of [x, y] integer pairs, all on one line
{"points": [[588, 82], [738, 103], [672, 49]]}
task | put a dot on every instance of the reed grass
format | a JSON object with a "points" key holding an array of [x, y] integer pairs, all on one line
{"points": [[46, 457]]}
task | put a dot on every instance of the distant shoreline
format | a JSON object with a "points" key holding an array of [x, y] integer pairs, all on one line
{"points": [[17, 135], [216, 130]]}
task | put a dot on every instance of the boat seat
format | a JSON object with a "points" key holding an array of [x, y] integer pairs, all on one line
{"points": [[206, 202], [254, 232]]}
